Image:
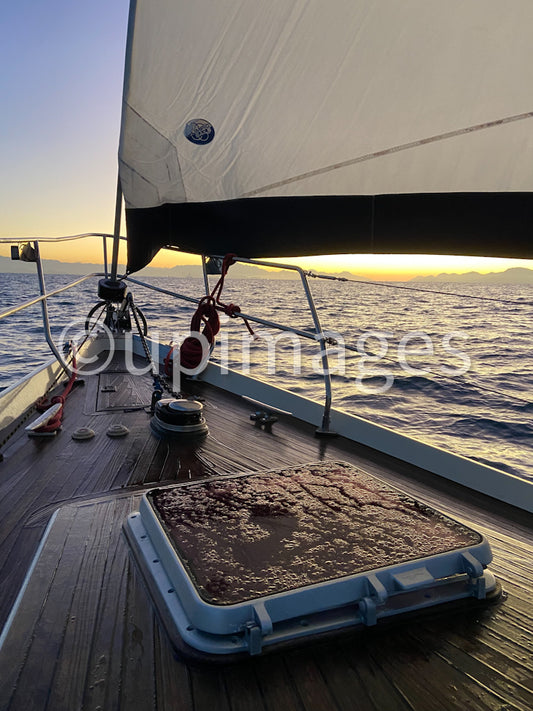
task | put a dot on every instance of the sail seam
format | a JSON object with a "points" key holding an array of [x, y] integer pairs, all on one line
{"points": [[172, 149], [389, 151]]}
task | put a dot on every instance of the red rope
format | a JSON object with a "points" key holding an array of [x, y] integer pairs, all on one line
{"points": [[43, 404], [191, 350], [231, 310]]}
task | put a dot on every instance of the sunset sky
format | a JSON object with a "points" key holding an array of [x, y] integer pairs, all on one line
{"points": [[61, 90]]}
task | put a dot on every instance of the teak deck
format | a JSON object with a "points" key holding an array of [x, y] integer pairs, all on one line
{"points": [[83, 633]]}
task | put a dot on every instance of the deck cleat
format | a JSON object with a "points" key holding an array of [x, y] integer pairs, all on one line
{"points": [[265, 415]]}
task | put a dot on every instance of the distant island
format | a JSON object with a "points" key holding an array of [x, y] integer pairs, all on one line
{"points": [[515, 275]]}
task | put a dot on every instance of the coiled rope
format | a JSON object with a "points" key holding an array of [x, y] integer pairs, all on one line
{"points": [[192, 349]]}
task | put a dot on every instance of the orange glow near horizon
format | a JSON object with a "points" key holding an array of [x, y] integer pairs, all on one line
{"points": [[384, 267], [402, 267]]}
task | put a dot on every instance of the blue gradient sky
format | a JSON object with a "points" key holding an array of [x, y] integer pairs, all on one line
{"points": [[61, 85]]}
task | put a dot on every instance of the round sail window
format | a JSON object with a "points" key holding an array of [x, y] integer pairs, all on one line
{"points": [[199, 131]]}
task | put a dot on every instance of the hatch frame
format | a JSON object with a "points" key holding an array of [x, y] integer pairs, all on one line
{"points": [[358, 600]]}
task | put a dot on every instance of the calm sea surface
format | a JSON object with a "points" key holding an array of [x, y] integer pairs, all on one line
{"points": [[453, 369]]}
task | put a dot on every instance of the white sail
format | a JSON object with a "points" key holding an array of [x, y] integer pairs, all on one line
{"points": [[245, 98], [292, 88]]}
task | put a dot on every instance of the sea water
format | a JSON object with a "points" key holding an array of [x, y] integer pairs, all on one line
{"points": [[449, 364]]}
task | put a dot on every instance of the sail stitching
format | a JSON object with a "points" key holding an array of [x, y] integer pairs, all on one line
{"points": [[390, 151]]}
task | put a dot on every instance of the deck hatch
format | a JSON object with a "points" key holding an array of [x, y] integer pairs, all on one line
{"points": [[122, 390], [246, 554]]}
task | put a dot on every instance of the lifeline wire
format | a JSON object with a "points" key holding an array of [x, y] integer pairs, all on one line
{"points": [[414, 288]]}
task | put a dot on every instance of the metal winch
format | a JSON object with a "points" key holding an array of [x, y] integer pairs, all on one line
{"points": [[178, 417]]}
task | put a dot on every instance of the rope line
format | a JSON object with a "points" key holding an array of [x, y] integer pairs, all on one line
{"points": [[415, 288], [44, 404], [159, 382]]}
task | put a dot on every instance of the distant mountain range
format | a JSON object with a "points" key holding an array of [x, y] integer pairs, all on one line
{"points": [[516, 275], [53, 266], [238, 271]]}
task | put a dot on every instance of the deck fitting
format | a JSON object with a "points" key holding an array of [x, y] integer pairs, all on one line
{"points": [[117, 430], [82, 433]]}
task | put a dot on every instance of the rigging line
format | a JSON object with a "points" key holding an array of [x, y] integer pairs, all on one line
{"points": [[390, 151], [414, 288]]}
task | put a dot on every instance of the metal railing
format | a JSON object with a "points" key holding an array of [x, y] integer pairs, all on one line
{"points": [[44, 295], [318, 336]]}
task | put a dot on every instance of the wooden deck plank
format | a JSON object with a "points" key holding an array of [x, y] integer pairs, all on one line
{"points": [[345, 684], [517, 608], [173, 682], [310, 685], [69, 681], [138, 658], [425, 680], [132, 458], [143, 462], [476, 664], [498, 637], [411, 668], [309, 682], [208, 690], [104, 668], [380, 689], [15, 564], [275, 684], [515, 576], [15, 651], [482, 640], [130, 391], [243, 688], [491, 669], [46, 609]]}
